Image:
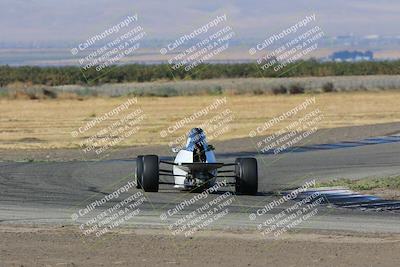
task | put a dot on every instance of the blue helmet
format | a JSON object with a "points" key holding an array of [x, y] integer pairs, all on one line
{"points": [[196, 137]]}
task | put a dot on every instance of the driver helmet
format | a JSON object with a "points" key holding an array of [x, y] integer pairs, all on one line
{"points": [[196, 139]]}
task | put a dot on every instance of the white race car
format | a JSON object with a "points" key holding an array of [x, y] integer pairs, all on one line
{"points": [[195, 168]]}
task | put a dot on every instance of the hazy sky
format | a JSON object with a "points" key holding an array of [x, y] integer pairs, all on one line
{"points": [[73, 20]]}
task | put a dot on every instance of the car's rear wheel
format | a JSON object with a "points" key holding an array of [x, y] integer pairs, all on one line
{"points": [[150, 176], [139, 171], [246, 176]]}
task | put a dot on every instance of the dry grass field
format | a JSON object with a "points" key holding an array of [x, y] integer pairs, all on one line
{"points": [[26, 124]]}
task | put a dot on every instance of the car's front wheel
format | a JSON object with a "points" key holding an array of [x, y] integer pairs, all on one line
{"points": [[246, 176], [150, 175]]}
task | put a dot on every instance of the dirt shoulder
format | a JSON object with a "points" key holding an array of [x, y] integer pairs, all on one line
{"points": [[64, 246]]}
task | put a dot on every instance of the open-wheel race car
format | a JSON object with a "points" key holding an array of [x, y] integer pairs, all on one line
{"points": [[195, 168]]}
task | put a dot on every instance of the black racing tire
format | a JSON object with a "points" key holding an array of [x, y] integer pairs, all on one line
{"points": [[246, 176], [150, 177], [139, 171]]}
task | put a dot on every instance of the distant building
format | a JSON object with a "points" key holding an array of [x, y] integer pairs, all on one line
{"points": [[352, 56]]}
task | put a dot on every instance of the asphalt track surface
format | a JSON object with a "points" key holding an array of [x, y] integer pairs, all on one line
{"points": [[50, 192]]}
